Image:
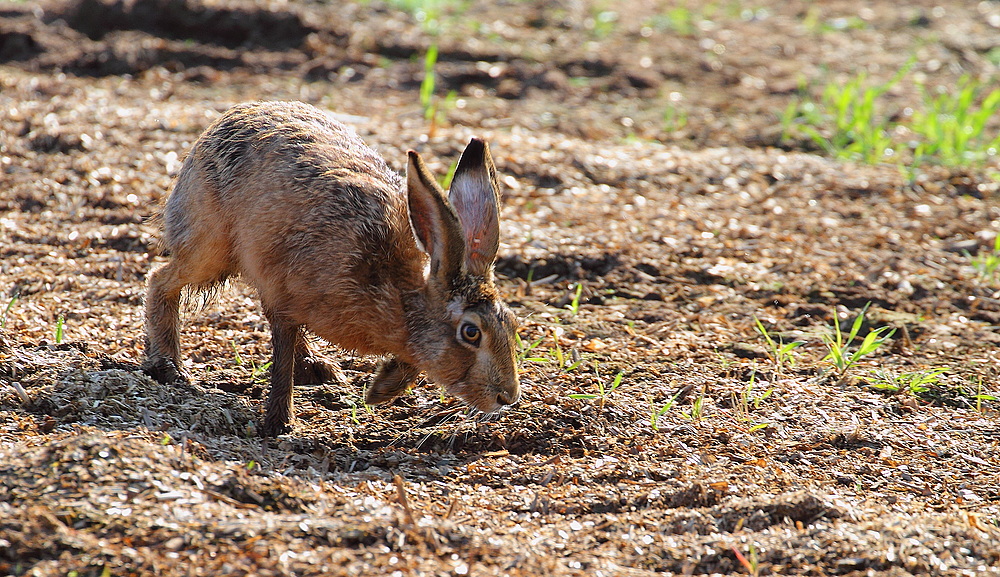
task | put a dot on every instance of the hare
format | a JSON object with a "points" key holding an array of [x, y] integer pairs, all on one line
{"points": [[334, 242]]}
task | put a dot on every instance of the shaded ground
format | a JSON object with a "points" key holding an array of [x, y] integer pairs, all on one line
{"points": [[680, 232]]}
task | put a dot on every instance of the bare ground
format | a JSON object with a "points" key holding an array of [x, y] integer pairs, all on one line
{"points": [[680, 233]]}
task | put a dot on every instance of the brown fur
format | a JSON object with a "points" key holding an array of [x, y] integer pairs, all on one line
{"points": [[299, 207]]}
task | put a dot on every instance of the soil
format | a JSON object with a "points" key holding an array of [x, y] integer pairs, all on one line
{"points": [[641, 152]]}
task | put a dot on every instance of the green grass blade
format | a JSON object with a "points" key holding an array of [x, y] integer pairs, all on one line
{"points": [[13, 299], [617, 381], [427, 84], [858, 321]]}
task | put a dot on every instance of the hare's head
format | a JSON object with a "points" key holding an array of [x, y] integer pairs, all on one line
{"points": [[464, 338]]}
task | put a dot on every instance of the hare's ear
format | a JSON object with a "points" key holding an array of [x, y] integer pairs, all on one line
{"points": [[434, 221], [476, 198]]}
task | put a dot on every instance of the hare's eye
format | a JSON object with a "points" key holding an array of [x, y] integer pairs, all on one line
{"points": [[471, 334]]}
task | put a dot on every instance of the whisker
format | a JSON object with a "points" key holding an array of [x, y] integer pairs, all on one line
{"points": [[409, 429], [447, 413], [442, 418], [425, 438]]}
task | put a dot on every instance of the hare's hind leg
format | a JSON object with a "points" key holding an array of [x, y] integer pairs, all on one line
{"points": [[201, 257], [163, 299]]}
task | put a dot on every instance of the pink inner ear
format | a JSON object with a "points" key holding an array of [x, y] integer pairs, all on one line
{"points": [[419, 204], [474, 199], [422, 225]]}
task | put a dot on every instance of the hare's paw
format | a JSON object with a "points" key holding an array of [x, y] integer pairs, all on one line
{"points": [[274, 428], [313, 370], [392, 380], [165, 371]]}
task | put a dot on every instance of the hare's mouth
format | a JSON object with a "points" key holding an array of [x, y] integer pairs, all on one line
{"points": [[475, 396]]}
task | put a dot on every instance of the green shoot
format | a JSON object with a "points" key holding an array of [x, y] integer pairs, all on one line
{"points": [[236, 353], [680, 19], [430, 14], [913, 383], [780, 352], [749, 401], [434, 109], [60, 330], [697, 409], [980, 396], [427, 84], [251, 465], [574, 305], [674, 118], [10, 305], [358, 402], [848, 122], [524, 350], [840, 356], [256, 370], [603, 391], [604, 23], [655, 414], [573, 362], [988, 264], [259, 370], [952, 128], [752, 565], [565, 362], [446, 181]]}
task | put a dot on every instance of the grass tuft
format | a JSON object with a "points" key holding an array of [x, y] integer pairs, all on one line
{"points": [[847, 122], [952, 128], [987, 264], [913, 383], [603, 390], [656, 413], [782, 354], [851, 121], [839, 354]]}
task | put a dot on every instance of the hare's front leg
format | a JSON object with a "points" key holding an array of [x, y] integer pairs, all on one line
{"points": [[393, 378], [310, 368], [285, 341], [163, 349]]}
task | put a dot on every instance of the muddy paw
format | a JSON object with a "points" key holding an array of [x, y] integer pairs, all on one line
{"points": [[274, 428], [165, 371], [315, 371]]}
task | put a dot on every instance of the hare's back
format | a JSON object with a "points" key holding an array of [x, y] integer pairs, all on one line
{"points": [[292, 152], [308, 209]]}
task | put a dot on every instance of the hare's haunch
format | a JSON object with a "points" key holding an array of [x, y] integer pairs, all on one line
{"points": [[336, 243]]}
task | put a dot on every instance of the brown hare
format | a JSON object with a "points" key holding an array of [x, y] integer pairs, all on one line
{"points": [[336, 243]]}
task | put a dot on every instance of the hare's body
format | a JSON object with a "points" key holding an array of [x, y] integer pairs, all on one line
{"points": [[299, 207]]}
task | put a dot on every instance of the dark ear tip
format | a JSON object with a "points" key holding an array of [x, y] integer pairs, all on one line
{"points": [[475, 154]]}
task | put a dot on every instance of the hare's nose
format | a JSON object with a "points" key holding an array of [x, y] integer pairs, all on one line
{"points": [[508, 398]]}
